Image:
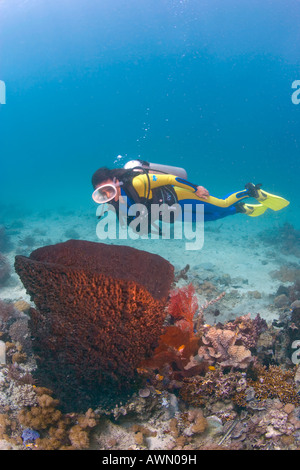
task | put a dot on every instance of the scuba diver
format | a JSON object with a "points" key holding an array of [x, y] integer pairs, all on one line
{"points": [[141, 182]]}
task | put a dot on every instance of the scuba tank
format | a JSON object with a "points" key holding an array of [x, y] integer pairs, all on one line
{"points": [[160, 195], [139, 165]]}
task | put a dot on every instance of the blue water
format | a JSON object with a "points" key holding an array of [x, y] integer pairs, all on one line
{"points": [[204, 84]]}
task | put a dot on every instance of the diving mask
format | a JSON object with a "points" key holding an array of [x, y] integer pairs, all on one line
{"points": [[106, 192]]}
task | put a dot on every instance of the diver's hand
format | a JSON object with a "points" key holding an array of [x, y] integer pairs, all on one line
{"points": [[202, 192]]}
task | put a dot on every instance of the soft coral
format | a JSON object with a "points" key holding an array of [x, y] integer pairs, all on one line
{"points": [[178, 342], [183, 305]]}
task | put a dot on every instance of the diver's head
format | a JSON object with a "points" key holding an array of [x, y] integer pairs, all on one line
{"points": [[107, 184], [104, 174]]}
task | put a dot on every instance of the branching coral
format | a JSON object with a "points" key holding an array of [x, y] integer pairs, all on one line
{"points": [[275, 382], [214, 386], [241, 389]]}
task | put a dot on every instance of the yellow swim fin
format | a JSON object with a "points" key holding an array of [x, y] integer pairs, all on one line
{"points": [[267, 199], [271, 201], [255, 210]]}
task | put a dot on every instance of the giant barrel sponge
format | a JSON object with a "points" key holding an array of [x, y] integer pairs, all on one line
{"points": [[99, 310]]}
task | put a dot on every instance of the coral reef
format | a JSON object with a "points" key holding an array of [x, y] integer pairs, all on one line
{"points": [[227, 401], [41, 425], [229, 346], [214, 386], [248, 330], [98, 313], [294, 291], [241, 388], [275, 382], [183, 352], [219, 346], [108, 357]]}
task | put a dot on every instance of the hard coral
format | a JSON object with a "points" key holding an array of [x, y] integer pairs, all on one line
{"points": [[248, 330], [214, 386], [275, 382], [197, 420], [98, 311], [219, 346]]}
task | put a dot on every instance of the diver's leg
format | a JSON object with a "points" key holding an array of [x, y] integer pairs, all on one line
{"points": [[227, 201], [237, 199], [253, 210], [216, 208], [211, 212], [268, 200]]}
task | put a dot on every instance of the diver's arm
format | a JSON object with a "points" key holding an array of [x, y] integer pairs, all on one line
{"points": [[140, 183]]}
